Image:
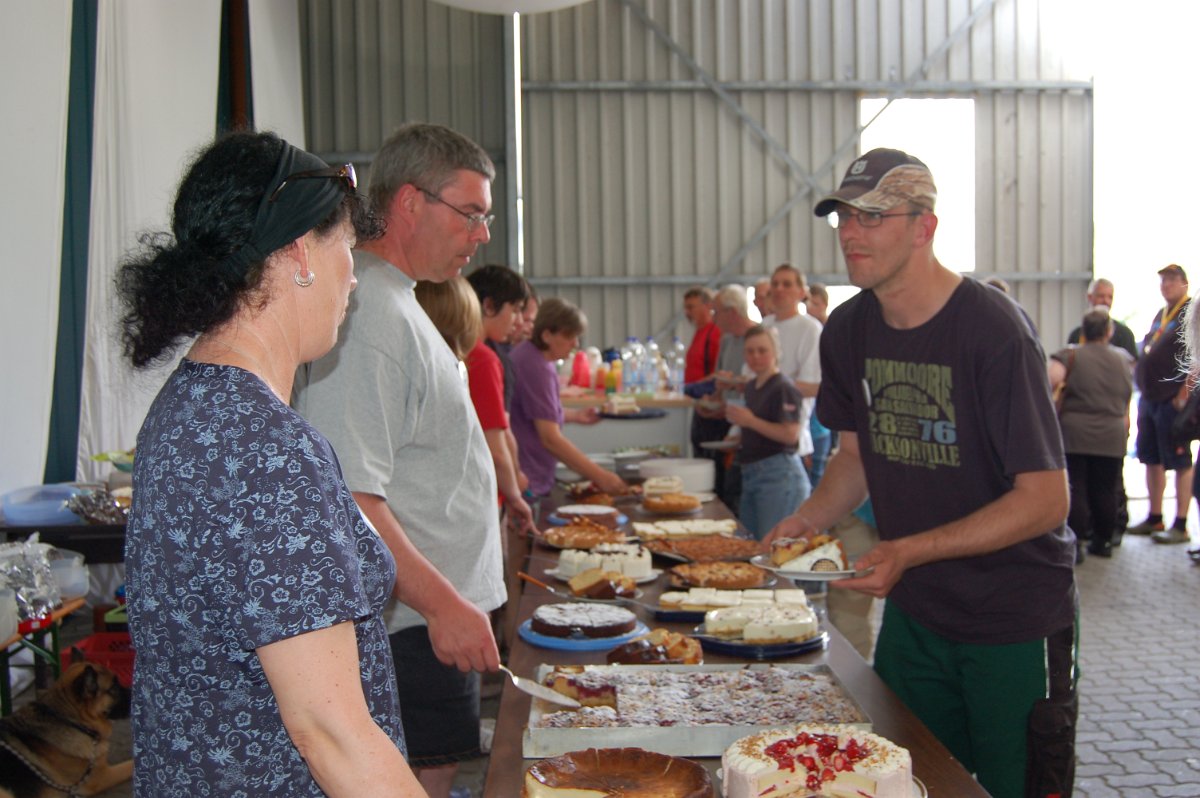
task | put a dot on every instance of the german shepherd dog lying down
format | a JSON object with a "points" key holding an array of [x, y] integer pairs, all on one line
{"points": [[58, 745]]}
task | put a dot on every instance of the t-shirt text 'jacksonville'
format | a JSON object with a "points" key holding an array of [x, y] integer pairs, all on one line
{"points": [[911, 412]]}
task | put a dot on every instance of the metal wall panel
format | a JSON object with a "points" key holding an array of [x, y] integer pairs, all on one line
{"points": [[642, 177], [372, 65]]}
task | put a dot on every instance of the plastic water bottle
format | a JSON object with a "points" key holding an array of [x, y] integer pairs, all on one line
{"points": [[679, 355], [680, 349], [676, 381], [635, 366], [651, 368]]}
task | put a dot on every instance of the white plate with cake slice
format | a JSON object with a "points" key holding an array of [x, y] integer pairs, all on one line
{"points": [[764, 561]]}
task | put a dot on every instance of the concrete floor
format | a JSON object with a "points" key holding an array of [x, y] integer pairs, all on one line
{"points": [[1140, 661]]}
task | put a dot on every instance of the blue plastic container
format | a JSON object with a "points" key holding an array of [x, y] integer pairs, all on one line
{"points": [[40, 505]]}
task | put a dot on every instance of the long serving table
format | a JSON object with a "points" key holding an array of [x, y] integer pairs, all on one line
{"points": [[943, 776]]}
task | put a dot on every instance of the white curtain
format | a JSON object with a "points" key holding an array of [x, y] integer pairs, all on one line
{"points": [[156, 99], [35, 56], [275, 69]]}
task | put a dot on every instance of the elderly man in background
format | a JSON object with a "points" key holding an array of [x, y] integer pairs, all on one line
{"points": [[730, 315], [816, 302], [391, 399], [1164, 391], [1100, 297], [762, 297]]}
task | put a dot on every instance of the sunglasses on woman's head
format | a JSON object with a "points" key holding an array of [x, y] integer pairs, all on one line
{"points": [[345, 173]]}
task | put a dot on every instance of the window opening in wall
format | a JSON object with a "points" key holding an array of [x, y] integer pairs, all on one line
{"points": [[941, 132]]}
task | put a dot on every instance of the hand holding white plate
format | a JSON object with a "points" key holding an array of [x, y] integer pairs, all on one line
{"points": [[764, 562]]}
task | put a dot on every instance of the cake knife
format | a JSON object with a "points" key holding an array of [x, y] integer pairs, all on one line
{"points": [[540, 690]]}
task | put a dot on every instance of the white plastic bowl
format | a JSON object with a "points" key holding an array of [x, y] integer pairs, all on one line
{"points": [[71, 576], [698, 475]]}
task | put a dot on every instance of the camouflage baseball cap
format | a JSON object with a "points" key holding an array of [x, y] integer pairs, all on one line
{"points": [[1175, 269], [881, 180]]}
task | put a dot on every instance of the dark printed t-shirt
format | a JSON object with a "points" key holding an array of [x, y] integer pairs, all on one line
{"points": [[947, 414], [1159, 373], [242, 533], [777, 400]]}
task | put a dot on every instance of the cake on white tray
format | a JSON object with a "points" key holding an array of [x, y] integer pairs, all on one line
{"points": [[822, 760], [629, 559], [702, 599], [656, 695]]}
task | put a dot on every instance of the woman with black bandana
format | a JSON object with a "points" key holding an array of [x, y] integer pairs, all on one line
{"points": [[255, 588]]}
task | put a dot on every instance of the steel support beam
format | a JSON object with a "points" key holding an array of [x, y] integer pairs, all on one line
{"points": [[833, 278], [864, 86], [809, 180]]}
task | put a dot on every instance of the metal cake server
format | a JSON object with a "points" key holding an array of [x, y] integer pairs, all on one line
{"points": [[540, 690]]}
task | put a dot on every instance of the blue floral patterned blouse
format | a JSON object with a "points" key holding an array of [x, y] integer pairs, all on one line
{"points": [[242, 533]]}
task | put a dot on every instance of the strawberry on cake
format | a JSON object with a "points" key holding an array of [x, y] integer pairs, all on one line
{"points": [[833, 761]]}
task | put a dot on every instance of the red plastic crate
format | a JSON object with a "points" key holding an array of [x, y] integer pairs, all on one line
{"points": [[114, 650]]}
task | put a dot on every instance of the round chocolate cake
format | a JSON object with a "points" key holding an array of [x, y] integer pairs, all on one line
{"points": [[590, 620]]}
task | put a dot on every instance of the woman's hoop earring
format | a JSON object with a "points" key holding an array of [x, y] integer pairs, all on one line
{"points": [[304, 282]]}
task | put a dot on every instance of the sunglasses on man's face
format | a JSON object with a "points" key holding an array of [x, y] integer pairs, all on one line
{"points": [[345, 173]]}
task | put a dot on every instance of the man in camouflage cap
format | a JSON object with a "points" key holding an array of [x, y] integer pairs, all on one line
{"points": [[938, 386]]}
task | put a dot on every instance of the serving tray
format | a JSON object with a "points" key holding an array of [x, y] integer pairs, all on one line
{"points": [[677, 740]]}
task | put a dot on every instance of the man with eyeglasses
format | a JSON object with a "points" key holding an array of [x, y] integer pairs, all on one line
{"points": [[938, 385], [391, 399]]}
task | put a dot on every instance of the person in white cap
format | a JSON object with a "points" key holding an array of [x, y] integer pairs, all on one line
{"points": [[938, 386]]}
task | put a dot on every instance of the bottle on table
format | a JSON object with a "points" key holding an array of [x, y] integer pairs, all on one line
{"points": [[676, 381], [601, 385], [652, 368], [678, 348], [614, 382], [632, 368]]}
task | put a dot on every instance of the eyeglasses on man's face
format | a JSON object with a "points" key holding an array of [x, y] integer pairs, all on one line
{"points": [[473, 219], [838, 219], [345, 173]]}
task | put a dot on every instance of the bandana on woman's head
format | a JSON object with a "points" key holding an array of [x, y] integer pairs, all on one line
{"points": [[285, 214]]}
